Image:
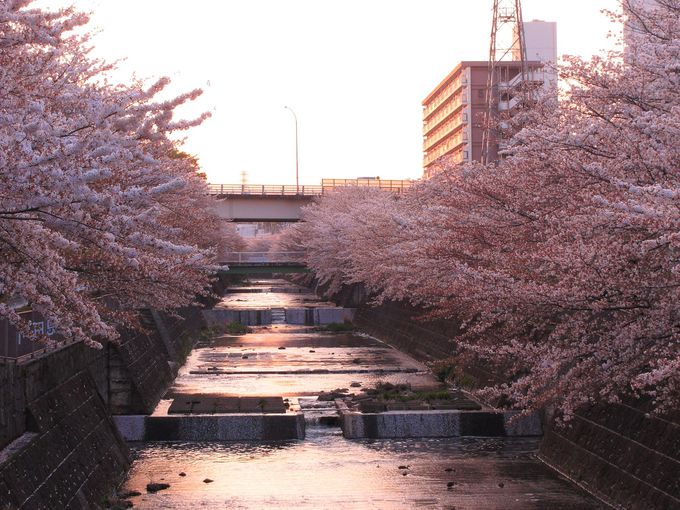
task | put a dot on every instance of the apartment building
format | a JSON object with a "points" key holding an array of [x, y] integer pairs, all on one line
{"points": [[454, 112]]}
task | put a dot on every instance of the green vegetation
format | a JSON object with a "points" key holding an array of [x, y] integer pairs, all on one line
{"points": [[403, 393], [447, 370], [236, 328], [443, 370], [464, 381], [186, 343]]}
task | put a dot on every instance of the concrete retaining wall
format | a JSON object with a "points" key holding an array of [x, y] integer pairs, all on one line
{"points": [[311, 316], [399, 325], [59, 447], [69, 454], [144, 364], [622, 453], [405, 424], [232, 427], [23, 383], [221, 317], [12, 404]]}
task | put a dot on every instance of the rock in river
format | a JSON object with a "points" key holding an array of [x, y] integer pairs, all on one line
{"points": [[155, 487]]}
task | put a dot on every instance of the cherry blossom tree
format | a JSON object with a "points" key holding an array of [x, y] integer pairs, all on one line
{"points": [[562, 261], [99, 211], [344, 233]]}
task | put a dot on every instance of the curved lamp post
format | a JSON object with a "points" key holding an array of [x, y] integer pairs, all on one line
{"points": [[297, 161]]}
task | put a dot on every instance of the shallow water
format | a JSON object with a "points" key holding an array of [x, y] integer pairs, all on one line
{"points": [[325, 470]]}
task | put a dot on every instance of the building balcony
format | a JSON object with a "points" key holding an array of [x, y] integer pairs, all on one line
{"points": [[446, 146], [432, 123], [449, 128], [443, 96]]}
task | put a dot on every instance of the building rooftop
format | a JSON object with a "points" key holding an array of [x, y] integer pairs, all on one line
{"points": [[470, 63]]}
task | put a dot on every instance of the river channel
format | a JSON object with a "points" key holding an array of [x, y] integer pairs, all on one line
{"points": [[325, 470]]}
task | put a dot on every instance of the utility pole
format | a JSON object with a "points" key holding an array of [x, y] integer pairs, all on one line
{"points": [[507, 44]]}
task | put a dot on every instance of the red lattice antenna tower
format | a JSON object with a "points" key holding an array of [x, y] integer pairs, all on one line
{"points": [[507, 44]]}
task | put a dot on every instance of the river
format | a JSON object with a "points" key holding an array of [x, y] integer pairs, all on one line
{"points": [[325, 470]]}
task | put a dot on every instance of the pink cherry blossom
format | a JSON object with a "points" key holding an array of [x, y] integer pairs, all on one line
{"points": [[562, 262], [100, 213]]}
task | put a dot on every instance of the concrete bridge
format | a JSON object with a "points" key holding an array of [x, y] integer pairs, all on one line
{"points": [[248, 203]]}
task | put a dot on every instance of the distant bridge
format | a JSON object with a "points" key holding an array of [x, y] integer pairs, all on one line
{"points": [[259, 262], [248, 203]]}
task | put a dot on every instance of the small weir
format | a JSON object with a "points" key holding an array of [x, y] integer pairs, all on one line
{"points": [[287, 416]]}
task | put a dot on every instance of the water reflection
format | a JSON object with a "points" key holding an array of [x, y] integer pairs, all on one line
{"points": [[325, 470]]}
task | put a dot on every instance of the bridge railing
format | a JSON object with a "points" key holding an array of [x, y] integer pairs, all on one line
{"points": [[263, 257], [265, 190], [396, 186], [327, 186]]}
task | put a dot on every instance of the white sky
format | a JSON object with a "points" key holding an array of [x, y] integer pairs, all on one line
{"points": [[354, 71]]}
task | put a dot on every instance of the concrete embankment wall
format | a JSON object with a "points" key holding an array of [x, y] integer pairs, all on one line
{"points": [[619, 452], [622, 453], [59, 447], [144, 364], [62, 449]]}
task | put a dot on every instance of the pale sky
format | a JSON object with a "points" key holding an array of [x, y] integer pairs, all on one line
{"points": [[354, 71]]}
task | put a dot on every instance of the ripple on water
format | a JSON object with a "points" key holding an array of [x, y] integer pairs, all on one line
{"points": [[327, 471]]}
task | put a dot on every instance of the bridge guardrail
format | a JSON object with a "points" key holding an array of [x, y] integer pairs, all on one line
{"points": [[262, 257], [385, 184], [266, 190], [327, 186]]}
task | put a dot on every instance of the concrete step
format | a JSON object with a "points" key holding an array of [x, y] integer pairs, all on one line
{"points": [[224, 427], [410, 423], [278, 315]]}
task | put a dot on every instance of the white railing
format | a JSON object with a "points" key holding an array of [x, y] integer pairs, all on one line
{"points": [[263, 257]]}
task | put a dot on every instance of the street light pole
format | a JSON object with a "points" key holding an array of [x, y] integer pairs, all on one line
{"points": [[297, 160]]}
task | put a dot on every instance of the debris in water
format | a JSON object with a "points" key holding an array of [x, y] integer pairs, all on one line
{"points": [[129, 494], [155, 487]]}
